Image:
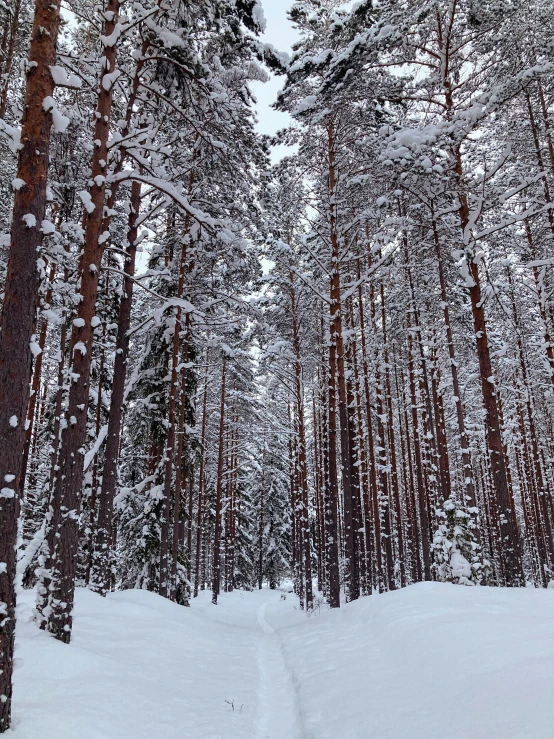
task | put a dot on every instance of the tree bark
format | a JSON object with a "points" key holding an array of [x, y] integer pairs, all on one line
{"points": [[18, 319], [261, 524], [101, 562], [460, 412], [10, 51], [302, 456], [337, 362], [421, 497], [35, 386], [392, 446], [510, 544], [332, 496], [201, 484], [373, 489], [216, 565], [179, 465], [69, 479]]}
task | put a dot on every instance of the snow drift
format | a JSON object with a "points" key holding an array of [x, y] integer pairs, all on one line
{"points": [[428, 662]]}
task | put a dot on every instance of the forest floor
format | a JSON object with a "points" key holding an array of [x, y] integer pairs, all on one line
{"points": [[429, 662]]}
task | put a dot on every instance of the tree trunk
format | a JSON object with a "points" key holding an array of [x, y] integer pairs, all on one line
{"points": [[337, 361], [18, 319], [12, 30], [35, 386], [179, 464], [364, 513], [392, 446], [302, 456], [421, 497], [101, 561], [544, 532], [373, 489], [510, 540], [460, 412], [94, 483], [383, 509], [319, 485], [332, 496], [216, 565], [261, 524], [542, 298], [69, 480], [201, 484]]}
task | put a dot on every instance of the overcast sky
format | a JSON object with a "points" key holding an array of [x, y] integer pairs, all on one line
{"points": [[282, 35]]}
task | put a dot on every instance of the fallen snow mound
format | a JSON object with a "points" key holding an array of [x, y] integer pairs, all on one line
{"points": [[429, 662]]}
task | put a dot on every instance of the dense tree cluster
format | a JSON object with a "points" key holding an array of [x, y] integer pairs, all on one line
{"points": [[218, 373]]}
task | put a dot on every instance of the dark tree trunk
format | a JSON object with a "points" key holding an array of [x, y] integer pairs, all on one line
{"points": [[216, 565], [305, 546], [421, 496], [373, 489], [332, 496], [180, 466], [201, 485], [164, 585], [319, 506], [383, 509], [364, 506], [101, 560], [392, 446], [261, 526]]}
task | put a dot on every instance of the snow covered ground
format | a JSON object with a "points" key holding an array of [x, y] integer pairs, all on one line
{"points": [[428, 662]]}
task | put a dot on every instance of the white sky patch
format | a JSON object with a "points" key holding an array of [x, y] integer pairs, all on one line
{"points": [[282, 35], [279, 32], [68, 16], [267, 265]]}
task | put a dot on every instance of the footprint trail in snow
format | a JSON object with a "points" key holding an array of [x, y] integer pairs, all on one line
{"points": [[278, 710]]}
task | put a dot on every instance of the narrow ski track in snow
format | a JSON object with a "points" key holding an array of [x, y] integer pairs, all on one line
{"points": [[432, 661], [279, 712]]}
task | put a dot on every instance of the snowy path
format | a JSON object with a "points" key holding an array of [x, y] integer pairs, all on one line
{"points": [[278, 710], [428, 662]]}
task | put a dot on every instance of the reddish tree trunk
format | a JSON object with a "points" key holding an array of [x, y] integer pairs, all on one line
{"points": [[69, 479], [11, 30], [332, 491], [35, 386], [17, 322], [510, 541], [338, 367]]}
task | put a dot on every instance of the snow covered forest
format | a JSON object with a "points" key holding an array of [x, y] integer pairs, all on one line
{"points": [[221, 370]]}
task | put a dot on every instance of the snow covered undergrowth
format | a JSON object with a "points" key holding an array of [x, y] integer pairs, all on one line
{"points": [[431, 661]]}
